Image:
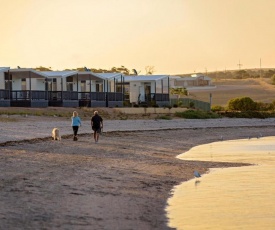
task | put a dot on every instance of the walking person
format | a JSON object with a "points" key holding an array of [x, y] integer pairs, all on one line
{"points": [[76, 122], [97, 125]]}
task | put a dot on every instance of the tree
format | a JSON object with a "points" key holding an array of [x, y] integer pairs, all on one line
{"points": [[135, 72], [179, 92], [121, 69], [242, 74], [41, 68], [269, 73], [150, 69]]}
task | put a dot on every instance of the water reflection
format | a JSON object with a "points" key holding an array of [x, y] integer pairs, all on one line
{"points": [[228, 198]]}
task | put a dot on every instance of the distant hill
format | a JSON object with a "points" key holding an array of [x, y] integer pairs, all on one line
{"points": [[258, 89], [238, 74]]}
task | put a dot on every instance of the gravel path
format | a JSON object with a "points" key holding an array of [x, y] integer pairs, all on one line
{"points": [[39, 127]]}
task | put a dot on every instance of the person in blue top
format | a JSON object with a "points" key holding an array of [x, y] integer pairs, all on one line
{"points": [[76, 122]]}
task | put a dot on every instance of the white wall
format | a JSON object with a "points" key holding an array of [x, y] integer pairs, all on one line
{"points": [[16, 84], [93, 86], [2, 80], [142, 91], [135, 88], [38, 84], [74, 85], [165, 86], [107, 86]]}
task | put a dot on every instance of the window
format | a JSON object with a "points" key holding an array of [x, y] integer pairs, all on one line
{"points": [[69, 81], [99, 87], [52, 86], [23, 84], [83, 86]]}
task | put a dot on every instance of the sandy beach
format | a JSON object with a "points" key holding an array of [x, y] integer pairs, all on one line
{"points": [[123, 182]]}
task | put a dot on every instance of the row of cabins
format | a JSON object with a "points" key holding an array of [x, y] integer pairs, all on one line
{"points": [[32, 88]]}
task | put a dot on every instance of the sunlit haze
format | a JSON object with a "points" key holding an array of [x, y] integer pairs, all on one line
{"points": [[174, 36]]}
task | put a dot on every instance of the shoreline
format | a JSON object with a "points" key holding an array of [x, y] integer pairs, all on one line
{"points": [[123, 182]]}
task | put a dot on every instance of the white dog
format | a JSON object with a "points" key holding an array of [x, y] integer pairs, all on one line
{"points": [[56, 134]]}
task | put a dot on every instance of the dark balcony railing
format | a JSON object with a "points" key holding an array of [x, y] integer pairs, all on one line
{"points": [[156, 97], [69, 95], [161, 97], [26, 95], [98, 96], [4, 94], [60, 95], [55, 95], [101, 96], [20, 95], [39, 95], [84, 96], [115, 96]]}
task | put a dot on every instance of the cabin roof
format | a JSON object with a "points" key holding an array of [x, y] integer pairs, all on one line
{"points": [[58, 73], [145, 78], [3, 69]]}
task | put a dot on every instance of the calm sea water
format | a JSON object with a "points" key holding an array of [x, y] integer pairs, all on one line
{"points": [[228, 198]]}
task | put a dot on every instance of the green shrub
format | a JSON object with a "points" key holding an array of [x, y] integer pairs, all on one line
{"points": [[126, 104], [167, 106], [261, 106], [248, 114], [196, 114], [153, 104], [216, 108], [242, 104], [191, 104], [164, 117], [180, 103]]}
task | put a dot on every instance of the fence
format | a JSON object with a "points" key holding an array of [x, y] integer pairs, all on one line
{"points": [[186, 102]]}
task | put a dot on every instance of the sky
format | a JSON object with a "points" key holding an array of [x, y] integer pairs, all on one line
{"points": [[173, 36]]}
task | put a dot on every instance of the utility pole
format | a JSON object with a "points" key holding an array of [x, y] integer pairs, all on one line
{"points": [[240, 65], [260, 68]]}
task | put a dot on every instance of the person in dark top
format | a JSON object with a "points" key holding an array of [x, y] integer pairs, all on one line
{"points": [[97, 125]]}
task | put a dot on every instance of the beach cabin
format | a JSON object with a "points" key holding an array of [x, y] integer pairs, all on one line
{"points": [[147, 89], [196, 81], [62, 88], [31, 88], [24, 88], [100, 89]]}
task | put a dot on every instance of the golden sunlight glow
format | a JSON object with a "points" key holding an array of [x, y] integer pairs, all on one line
{"points": [[177, 36]]}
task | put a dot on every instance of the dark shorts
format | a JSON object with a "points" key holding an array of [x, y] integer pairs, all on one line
{"points": [[97, 129]]}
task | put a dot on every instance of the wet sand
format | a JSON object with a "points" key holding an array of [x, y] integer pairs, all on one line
{"points": [[123, 182]]}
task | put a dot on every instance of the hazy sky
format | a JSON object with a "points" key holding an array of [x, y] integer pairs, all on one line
{"points": [[174, 36]]}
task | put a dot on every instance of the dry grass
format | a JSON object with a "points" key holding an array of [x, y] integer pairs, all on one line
{"points": [[84, 112], [259, 90]]}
